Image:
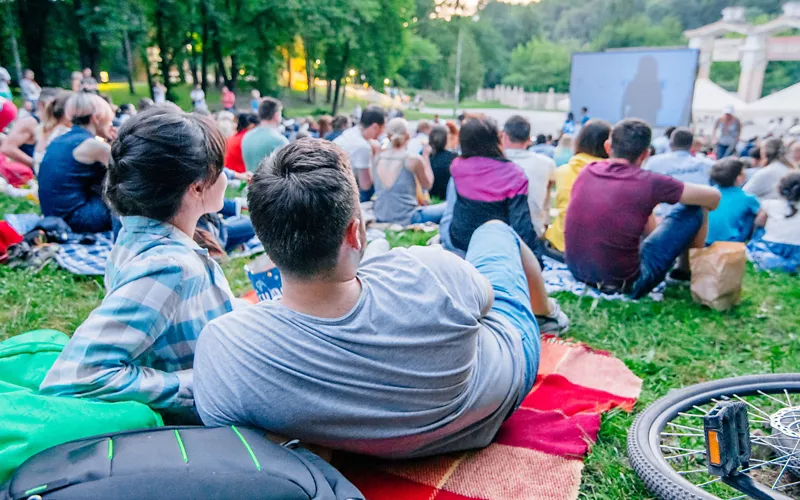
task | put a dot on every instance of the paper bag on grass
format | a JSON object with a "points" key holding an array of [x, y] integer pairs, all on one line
{"points": [[717, 272]]}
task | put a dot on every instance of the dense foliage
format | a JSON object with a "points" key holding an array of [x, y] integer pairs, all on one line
{"points": [[408, 41]]}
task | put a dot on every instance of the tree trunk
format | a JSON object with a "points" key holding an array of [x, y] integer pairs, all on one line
{"points": [[126, 39], [309, 79], [164, 51], [221, 64], [10, 22], [33, 19], [289, 70], [234, 72], [206, 45], [147, 72], [340, 76], [328, 88]]}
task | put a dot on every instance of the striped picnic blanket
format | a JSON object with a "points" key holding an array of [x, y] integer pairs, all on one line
{"points": [[539, 451]]}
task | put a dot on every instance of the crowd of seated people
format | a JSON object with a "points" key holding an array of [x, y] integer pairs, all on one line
{"points": [[349, 349]]}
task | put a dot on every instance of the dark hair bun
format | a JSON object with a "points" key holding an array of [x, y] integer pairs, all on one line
{"points": [[157, 155]]}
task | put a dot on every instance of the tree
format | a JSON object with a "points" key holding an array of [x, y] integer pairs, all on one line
{"points": [[472, 69], [639, 31], [539, 65], [422, 67]]}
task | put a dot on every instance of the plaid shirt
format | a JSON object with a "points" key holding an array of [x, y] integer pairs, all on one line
{"points": [[139, 344]]}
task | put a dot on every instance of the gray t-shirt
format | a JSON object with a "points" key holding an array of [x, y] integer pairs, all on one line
{"points": [[413, 369]]}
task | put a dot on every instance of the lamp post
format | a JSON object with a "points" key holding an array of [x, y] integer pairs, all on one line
{"points": [[459, 50]]}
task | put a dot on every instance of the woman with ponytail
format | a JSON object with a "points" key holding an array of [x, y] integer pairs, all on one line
{"points": [[161, 287], [396, 174], [779, 247], [55, 123], [764, 182]]}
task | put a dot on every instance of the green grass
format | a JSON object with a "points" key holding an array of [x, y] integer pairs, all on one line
{"points": [[669, 344], [468, 104]]}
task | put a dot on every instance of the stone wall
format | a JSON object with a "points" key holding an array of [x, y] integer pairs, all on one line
{"points": [[517, 97]]}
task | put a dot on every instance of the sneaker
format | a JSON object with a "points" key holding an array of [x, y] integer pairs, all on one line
{"points": [[679, 277], [554, 323]]}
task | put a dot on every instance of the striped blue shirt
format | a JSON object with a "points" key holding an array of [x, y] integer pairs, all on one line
{"points": [[139, 344]]}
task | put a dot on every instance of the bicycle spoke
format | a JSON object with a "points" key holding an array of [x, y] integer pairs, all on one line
{"points": [[787, 397], [772, 398], [752, 406], [672, 457], [785, 466], [681, 435], [684, 472], [675, 448], [787, 485], [750, 468], [685, 427]]}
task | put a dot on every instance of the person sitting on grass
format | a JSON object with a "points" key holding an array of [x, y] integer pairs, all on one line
{"points": [[779, 245], [73, 167], [488, 186], [161, 287], [611, 211], [349, 358], [764, 182], [589, 148], [396, 174], [733, 219]]}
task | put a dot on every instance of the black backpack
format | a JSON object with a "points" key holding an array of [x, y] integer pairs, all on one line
{"points": [[174, 463]]}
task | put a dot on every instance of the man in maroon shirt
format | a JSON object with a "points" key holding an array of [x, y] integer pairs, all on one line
{"points": [[612, 239]]}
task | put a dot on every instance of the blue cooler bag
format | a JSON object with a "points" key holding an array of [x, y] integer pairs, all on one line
{"points": [[172, 463]]}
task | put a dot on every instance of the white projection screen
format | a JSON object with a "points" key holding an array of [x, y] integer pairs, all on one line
{"points": [[654, 85]]}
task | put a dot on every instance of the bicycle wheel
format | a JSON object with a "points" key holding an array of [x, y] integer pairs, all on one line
{"points": [[666, 443]]}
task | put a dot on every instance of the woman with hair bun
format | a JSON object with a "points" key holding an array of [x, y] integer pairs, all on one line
{"points": [[54, 124], [779, 246], [72, 170], [396, 174], [161, 287]]}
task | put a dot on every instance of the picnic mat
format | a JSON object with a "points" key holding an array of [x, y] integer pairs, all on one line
{"points": [[91, 260], [557, 278], [538, 452]]}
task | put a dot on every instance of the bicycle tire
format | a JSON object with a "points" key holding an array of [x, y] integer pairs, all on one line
{"points": [[644, 437]]}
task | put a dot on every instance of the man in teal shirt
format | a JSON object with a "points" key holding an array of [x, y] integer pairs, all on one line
{"points": [[260, 142]]}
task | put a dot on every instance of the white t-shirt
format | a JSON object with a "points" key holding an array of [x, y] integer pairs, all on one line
{"points": [[357, 148], [540, 171], [416, 144], [780, 228]]}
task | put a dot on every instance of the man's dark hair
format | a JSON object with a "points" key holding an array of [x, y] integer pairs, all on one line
{"points": [[668, 132], [340, 122], [301, 200], [584, 109], [268, 107], [438, 139], [592, 138], [549, 137], [725, 171], [518, 129], [372, 115], [541, 139], [681, 139], [630, 138], [148, 175]]}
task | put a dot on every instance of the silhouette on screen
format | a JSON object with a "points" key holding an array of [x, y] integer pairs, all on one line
{"points": [[642, 98]]}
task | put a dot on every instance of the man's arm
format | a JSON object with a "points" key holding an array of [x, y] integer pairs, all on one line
{"points": [[102, 359], [702, 196], [22, 133]]}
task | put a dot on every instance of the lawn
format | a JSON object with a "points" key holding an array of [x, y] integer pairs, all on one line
{"points": [[669, 344]]}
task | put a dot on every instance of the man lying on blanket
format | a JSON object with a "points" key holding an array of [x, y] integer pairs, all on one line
{"points": [[413, 352]]}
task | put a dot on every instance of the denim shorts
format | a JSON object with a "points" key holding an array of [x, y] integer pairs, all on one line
{"points": [[494, 251]]}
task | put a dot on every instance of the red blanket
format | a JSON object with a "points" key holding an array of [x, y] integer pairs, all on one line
{"points": [[539, 451]]}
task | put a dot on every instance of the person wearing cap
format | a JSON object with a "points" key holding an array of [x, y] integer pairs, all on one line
{"points": [[727, 130]]}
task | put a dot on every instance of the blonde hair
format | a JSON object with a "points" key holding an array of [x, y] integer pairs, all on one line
{"points": [[82, 106], [565, 142], [55, 111], [397, 131]]}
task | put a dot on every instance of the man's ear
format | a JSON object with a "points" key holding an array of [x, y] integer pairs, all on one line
{"points": [[353, 234], [607, 146]]}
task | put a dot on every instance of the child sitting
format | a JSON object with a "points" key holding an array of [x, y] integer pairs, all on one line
{"points": [[779, 247], [733, 219]]}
